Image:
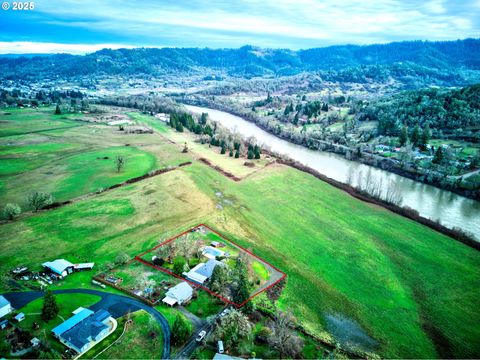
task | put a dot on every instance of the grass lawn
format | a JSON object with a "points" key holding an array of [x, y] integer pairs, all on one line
{"points": [[205, 304], [142, 340], [260, 270], [66, 303], [411, 289]]}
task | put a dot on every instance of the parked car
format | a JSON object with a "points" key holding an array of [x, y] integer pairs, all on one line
{"points": [[224, 312], [200, 336], [220, 349]]}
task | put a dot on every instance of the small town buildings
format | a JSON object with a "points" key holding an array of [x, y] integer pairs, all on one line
{"points": [[4, 324], [19, 317], [163, 117], [202, 272], [179, 294], [5, 307], [85, 329]]}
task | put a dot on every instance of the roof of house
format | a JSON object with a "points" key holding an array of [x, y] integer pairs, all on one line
{"points": [[206, 269], [58, 266], [71, 322], [90, 327], [3, 302], [181, 292], [203, 271]]}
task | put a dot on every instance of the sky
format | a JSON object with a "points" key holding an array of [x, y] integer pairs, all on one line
{"points": [[82, 26]]}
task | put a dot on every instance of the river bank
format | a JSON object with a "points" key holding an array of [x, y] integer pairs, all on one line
{"points": [[435, 205], [432, 178]]}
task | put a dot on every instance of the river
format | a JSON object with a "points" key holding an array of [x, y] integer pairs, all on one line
{"points": [[450, 209]]}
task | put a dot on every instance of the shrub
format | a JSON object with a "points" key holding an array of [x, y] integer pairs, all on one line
{"points": [[38, 200], [11, 211]]}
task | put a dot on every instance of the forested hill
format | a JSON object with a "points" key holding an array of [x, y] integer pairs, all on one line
{"points": [[453, 112], [449, 61]]}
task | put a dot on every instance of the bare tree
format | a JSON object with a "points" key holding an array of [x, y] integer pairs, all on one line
{"points": [[283, 337]]}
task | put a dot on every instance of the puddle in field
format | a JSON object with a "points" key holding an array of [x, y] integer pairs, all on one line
{"points": [[349, 333]]}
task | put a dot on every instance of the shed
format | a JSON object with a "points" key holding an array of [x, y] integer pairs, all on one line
{"points": [[83, 266], [19, 317], [35, 342], [3, 324], [61, 267], [5, 306]]}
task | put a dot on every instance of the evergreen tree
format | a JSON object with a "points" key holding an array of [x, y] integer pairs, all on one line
{"points": [[416, 135], [237, 154], [250, 154], [181, 330], [256, 151], [425, 138], [295, 119], [58, 111], [438, 158], [404, 136], [50, 307], [230, 153], [179, 127], [224, 150]]}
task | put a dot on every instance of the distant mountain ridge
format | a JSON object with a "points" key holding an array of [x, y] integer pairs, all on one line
{"points": [[435, 58]]}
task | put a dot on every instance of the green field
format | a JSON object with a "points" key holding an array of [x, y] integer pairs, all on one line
{"points": [[411, 289], [70, 162]]}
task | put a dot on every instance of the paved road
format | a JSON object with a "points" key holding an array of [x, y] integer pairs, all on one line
{"points": [[191, 344], [117, 305]]}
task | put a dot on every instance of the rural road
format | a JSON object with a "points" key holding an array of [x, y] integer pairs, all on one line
{"points": [[117, 305]]}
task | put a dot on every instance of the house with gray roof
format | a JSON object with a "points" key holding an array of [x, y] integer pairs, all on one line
{"points": [[84, 329], [179, 294], [203, 271]]}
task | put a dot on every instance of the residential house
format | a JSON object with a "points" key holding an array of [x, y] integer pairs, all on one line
{"points": [[202, 272], [179, 294], [84, 329], [5, 307]]}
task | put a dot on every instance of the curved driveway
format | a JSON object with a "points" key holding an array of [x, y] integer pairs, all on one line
{"points": [[117, 305]]}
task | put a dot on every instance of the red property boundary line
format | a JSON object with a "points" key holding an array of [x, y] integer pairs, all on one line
{"points": [[139, 259]]}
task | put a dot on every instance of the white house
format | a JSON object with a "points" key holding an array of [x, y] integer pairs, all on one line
{"points": [[5, 307], [179, 294]]}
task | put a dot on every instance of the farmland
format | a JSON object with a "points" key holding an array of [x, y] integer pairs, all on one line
{"points": [[413, 291]]}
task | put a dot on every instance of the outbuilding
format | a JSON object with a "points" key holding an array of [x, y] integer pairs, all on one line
{"points": [[19, 317], [60, 267]]}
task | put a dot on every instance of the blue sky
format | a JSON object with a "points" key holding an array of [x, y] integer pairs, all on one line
{"points": [[79, 26]]}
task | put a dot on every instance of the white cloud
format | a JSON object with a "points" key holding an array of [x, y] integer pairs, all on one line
{"points": [[27, 47]]}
